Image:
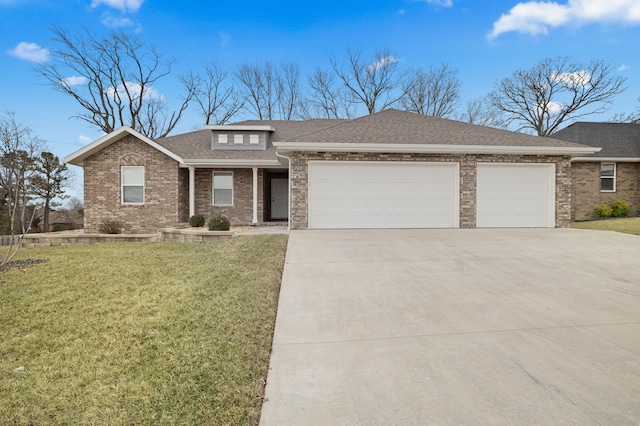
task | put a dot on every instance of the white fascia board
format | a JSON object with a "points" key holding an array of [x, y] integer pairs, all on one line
{"points": [[606, 159], [240, 127], [230, 163], [432, 148], [77, 157]]}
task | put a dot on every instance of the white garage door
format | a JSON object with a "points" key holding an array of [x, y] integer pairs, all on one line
{"points": [[515, 196], [349, 194]]}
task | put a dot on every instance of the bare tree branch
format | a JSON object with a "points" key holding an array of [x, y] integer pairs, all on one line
{"points": [[555, 91], [435, 92], [374, 83], [112, 78], [217, 100]]}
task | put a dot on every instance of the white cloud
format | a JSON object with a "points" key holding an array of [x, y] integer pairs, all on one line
{"points": [[554, 107], [115, 22], [578, 78], [31, 52], [135, 91], [74, 81], [382, 62], [536, 17], [624, 67], [126, 6], [84, 139]]}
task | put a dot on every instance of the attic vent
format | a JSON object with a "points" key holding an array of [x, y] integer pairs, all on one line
{"points": [[238, 139], [254, 139], [222, 138]]}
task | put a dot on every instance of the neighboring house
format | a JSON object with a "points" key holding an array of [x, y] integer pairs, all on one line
{"points": [[60, 220], [392, 169], [612, 173]]}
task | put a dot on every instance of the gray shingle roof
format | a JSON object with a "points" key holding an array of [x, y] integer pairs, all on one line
{"points": [[386, 127], [401, 127], [618, 140]]}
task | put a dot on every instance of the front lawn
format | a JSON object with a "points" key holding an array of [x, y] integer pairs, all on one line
{"points": [[630, 225], [139, 333]]}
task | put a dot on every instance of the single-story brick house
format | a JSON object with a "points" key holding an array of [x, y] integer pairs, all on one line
{"points": [[613, 172], [392, 169]]}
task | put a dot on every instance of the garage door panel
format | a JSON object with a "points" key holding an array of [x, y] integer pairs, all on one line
{"points": [[383, 195], [515, 195]]}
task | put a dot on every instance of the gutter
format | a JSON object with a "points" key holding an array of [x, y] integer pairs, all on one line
{"points": [[289, 189]]}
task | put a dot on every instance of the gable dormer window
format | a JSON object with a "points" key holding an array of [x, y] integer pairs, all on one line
{"points": [[238, 139]]}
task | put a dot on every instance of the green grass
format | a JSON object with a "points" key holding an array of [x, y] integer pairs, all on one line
{"points": [[139, 333], [629, 225]]}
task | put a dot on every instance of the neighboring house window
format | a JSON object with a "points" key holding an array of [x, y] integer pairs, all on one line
{"points": [[254, 139], [222, 188], [238, 139], [222, 138], [132, 184], [607, 177]]}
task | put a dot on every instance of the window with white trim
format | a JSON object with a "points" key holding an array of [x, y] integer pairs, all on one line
{"points": [[222, 188], [238, 139], [222, 138], [607, 177], [254, 139], [132, 184]]}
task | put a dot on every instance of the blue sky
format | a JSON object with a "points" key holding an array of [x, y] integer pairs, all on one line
{"points": [[486, 40]]}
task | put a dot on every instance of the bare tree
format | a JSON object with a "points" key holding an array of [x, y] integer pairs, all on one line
{"points": [[554, 91], [259, 86], [479, 111], [326, 98], [290, 91], [270, 91], [435, 92], [374, 83], [18, 151], [216, 97], [112, 78]]}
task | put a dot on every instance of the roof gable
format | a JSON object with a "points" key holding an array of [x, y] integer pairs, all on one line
{"points": [[80, 155]]}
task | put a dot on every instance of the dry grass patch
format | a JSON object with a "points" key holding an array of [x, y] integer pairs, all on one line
{"points": [[139, 333], [629, 225]]}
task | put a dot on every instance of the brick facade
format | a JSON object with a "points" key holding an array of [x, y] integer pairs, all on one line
{"points": [[468, 162], [586, 193], [241, 212], [102, 188]]}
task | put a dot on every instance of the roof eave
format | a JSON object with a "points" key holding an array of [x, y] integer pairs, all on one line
{"points": [[607, 159], [76, 158], [283, 147], [241, 127], [227, 163]]}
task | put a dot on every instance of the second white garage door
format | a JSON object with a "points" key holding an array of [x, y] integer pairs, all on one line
{"points": [[349, 194], [515, 196]]}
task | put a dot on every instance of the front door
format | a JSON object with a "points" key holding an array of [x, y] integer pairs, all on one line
{"points": [[279, 198]]}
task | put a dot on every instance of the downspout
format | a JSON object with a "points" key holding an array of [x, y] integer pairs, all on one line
{"points": [[289, 187]]}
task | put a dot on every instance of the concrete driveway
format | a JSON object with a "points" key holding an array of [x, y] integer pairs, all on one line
{"points": [[428, 327]]}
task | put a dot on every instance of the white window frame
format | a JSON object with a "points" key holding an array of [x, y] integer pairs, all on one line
{"points": [[213, 187], [608, 177], [123, 185], [254, 139], [222, 138], [238, 139]]}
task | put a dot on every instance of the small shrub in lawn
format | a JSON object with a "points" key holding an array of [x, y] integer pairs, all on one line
{"points": [[110, 227], [197, 221], [620, 208], [219, 223], [603, 210]]}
